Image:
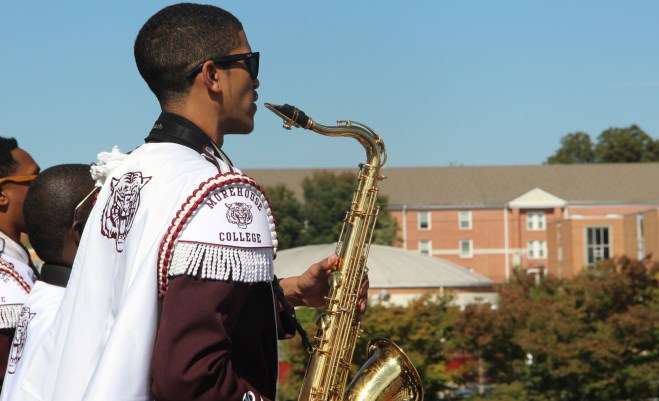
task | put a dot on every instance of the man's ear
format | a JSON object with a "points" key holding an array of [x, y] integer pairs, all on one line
{"points": [[210, 75], [76, 231], [4, 200]]}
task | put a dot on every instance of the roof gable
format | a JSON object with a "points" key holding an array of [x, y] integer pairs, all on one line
{"points": [[537, 199]]}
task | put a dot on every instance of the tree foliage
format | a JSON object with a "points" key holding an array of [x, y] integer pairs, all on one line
{"points": [[293, 354], [590, 338], [625, 145], [575, 148], [288, 212], [319, 218], [327, 197], [614, 145]]}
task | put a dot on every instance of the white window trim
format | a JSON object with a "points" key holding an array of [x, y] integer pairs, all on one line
{"points": [[429, 221], [542, 219], [470, 254], [640, 237], [585, 243], [429, 246], [469, 220], [530, 246]]}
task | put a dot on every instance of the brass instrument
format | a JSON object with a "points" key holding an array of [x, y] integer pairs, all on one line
{"points": [[388, 374]]}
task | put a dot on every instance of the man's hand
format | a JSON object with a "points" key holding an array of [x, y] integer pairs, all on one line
{"points": [[311, 288]]}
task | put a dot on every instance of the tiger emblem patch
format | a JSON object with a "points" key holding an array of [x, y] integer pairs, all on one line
{"points": [[239, 214], [18, 343], [122, 204]]}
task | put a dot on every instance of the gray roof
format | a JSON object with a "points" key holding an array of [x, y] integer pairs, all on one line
{"points": [[497, 185], [389, 267]]}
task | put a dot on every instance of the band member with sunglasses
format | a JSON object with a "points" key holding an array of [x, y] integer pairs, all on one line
{"points": [[56, 208], [17, 273], [159, 304]]}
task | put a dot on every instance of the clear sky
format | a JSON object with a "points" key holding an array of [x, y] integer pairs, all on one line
{"points": [[443, 82]]}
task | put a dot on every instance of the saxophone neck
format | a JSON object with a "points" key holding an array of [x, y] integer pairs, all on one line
{"points": [[376, 152]]}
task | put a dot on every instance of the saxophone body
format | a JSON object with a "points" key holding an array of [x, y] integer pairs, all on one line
{"points": [[388, 374]]}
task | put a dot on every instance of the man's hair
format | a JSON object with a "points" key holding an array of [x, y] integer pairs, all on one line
{"points": [[7, 163], [178, 38], [49, 207]]}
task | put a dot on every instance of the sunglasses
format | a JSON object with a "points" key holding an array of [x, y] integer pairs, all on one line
{"points": [[76, 211], [251, 61], [18, 178]]}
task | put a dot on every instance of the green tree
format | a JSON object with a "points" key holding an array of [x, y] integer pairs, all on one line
{"points": [[327, 198], [319, 219], [288, 213], [575, 148], [422, 330], [593, 337], [625, 145], [292, 353], [614, 145]]}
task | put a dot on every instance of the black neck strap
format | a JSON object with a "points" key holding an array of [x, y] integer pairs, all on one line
{"points": [[173, 128], [55, 274]]}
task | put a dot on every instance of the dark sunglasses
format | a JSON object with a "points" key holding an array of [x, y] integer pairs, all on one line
{"points": [[251, 61], [91, 195]]}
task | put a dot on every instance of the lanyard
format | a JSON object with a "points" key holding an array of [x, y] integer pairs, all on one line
{"points": [[173, 128]]}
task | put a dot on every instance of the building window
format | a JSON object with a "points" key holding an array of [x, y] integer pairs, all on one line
{"points": [[640, 239], [598, 245], [465, 220], [536, 249], [424, 220], [535, 221], [466, 248], [425, 247], [559, 243]]}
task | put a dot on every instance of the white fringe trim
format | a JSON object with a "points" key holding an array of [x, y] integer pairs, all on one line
{"points": [[9, 316], [222, 263]]}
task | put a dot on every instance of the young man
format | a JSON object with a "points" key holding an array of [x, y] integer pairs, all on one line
{"points": [[17, 274], [17, 171], [56, 208], [175, 219]]}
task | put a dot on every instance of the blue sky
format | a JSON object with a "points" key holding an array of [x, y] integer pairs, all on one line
{"points": [[443, 82]]}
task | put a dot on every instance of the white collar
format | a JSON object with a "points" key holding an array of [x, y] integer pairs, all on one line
{"points": [[223, 156], [12, 248]]}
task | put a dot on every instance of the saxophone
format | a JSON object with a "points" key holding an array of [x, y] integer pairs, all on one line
{"points": [[388, 374]]}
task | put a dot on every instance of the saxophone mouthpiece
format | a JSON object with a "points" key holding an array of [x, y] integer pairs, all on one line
{"points": [[292, 115]]}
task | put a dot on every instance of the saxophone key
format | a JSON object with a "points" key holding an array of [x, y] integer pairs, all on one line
{"points": [[323, 321], [335, 279]]}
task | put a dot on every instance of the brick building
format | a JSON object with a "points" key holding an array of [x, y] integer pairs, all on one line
{"points": [[554, 219]]}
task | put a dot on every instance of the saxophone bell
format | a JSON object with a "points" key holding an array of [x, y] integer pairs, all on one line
{"points": [[387, 375]]}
